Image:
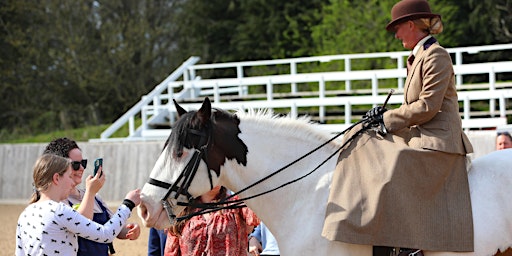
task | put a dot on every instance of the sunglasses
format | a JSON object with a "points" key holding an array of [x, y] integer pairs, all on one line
{"points": [[76, 164]]}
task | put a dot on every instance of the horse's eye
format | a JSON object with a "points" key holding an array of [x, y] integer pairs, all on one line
{"points": [[179, 154]]}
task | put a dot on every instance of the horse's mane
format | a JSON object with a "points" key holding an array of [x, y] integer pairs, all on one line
{"points": [[266, 119]]}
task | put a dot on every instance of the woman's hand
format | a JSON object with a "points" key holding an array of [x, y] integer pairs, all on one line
{"points": [[130, 231], [134, 196], [254, 246], [95, 183]]}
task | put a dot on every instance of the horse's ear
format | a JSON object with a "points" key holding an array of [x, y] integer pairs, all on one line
{"points": [[205, 111], [181, 111]]}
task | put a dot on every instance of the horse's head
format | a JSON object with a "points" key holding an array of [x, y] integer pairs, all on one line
{"points": [[190, 163]]}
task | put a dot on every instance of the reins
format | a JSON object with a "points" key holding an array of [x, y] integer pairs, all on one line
{"points": [[225, 204], [231, 204]]}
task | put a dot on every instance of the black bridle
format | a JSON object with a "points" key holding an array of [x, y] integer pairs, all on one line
{"points": [[182, 184]]}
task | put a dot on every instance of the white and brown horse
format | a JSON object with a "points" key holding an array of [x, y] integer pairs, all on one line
{"points": [[212, 147]]}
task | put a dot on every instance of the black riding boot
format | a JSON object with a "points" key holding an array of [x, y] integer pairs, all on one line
{"points": [[392, 251], [410, 252], [383, 251]]}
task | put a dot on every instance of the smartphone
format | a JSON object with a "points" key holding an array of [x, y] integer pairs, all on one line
{"points": [[97, 163]]}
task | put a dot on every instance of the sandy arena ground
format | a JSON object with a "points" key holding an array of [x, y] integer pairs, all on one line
{"points": [[9, 214]]}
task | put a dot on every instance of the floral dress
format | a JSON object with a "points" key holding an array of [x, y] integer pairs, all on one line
{"points": [[218, 233]]}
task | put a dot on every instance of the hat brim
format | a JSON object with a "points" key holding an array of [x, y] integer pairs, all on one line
{"points": [[391, 25]]}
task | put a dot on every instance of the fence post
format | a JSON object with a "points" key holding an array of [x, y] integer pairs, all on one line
{"points": [[321, 96], [492, 88], [293, 71], [348, 85]]}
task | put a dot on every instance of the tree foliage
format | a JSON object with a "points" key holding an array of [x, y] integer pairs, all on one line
{"points": [[67, 64]]}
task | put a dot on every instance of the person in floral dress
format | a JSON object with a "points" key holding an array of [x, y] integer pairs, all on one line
{"points": [[219, 233]]}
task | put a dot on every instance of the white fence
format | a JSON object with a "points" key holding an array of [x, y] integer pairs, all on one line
{"points": [[157, 108], [126, 164]]}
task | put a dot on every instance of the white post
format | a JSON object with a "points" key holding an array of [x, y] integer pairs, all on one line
{"points": [[294, 111], [348, 85], [240, 76], [348, 113], [269, 90], [492, 88], [293, 72], [502, 106], [375, 87], [131, 126], [458, 62], [321, 96], [400, 65], [216, 93]]}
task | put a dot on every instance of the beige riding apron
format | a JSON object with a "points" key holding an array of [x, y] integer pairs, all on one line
{"points": [[389, 194]]}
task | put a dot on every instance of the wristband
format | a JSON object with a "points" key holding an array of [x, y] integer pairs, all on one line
{"points": [[129, 204]]}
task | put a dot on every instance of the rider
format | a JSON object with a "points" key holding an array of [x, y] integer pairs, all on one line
{"points": [[409, 188]]}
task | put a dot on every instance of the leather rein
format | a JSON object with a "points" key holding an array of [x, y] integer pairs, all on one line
{"points": [[180, 187]]}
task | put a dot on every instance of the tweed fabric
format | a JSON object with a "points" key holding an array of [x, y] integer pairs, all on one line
{"points": [[409, 188], [387, 193]]}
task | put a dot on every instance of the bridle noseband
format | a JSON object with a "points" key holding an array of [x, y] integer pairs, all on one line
{"points": [[180, 187]]}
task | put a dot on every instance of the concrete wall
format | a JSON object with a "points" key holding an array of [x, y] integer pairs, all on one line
{"points": [[126, 164]]}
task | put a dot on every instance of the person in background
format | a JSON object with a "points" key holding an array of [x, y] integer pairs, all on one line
{"points": [[218, 233], [48, 226], [403, 182], [86, 202], [156, 242], [503, 140], [262, 242]]}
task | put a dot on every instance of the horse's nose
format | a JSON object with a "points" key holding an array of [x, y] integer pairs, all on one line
{"points": [[143, 211]]}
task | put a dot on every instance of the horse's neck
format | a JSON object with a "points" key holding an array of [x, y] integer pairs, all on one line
{"points": [[271, 149]]}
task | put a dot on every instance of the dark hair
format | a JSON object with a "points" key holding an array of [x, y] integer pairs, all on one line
{"points": [[177, 228], [507, 134], [45, 167], [60, 147]]}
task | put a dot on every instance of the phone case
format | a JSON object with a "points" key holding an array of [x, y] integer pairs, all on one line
{"points": [[97, 163]]}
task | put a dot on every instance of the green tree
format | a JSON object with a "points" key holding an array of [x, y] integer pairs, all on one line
{"points": [[276, 29], [76, 63]]}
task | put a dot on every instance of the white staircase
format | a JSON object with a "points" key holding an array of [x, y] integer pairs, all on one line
{"points": [[333, 91]]}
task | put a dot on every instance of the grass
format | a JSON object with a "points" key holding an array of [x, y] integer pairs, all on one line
{"points": [[78, 134]]}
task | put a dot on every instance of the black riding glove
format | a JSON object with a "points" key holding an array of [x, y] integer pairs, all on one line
{"points": [[375, 119]]}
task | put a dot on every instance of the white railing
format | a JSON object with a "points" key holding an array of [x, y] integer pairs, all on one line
{"points": [[159, 102], [292, 106], [152, 98]]}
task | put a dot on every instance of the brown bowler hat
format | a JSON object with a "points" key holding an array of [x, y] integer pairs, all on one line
{"points": [[409, 10]]}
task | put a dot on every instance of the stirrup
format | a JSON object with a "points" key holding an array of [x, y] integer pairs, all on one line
{"points": [[411, 252]]}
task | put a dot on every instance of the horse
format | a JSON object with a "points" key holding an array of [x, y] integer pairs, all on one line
{"points": [[282, 168]]}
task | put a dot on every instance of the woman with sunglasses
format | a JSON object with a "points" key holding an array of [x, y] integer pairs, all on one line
{"points": [[49, 226], [86, 201]]}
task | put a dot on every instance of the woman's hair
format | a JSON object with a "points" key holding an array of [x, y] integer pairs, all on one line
{"points": [[45, 168], [177, 228], [432, 25], [60, 147]]}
